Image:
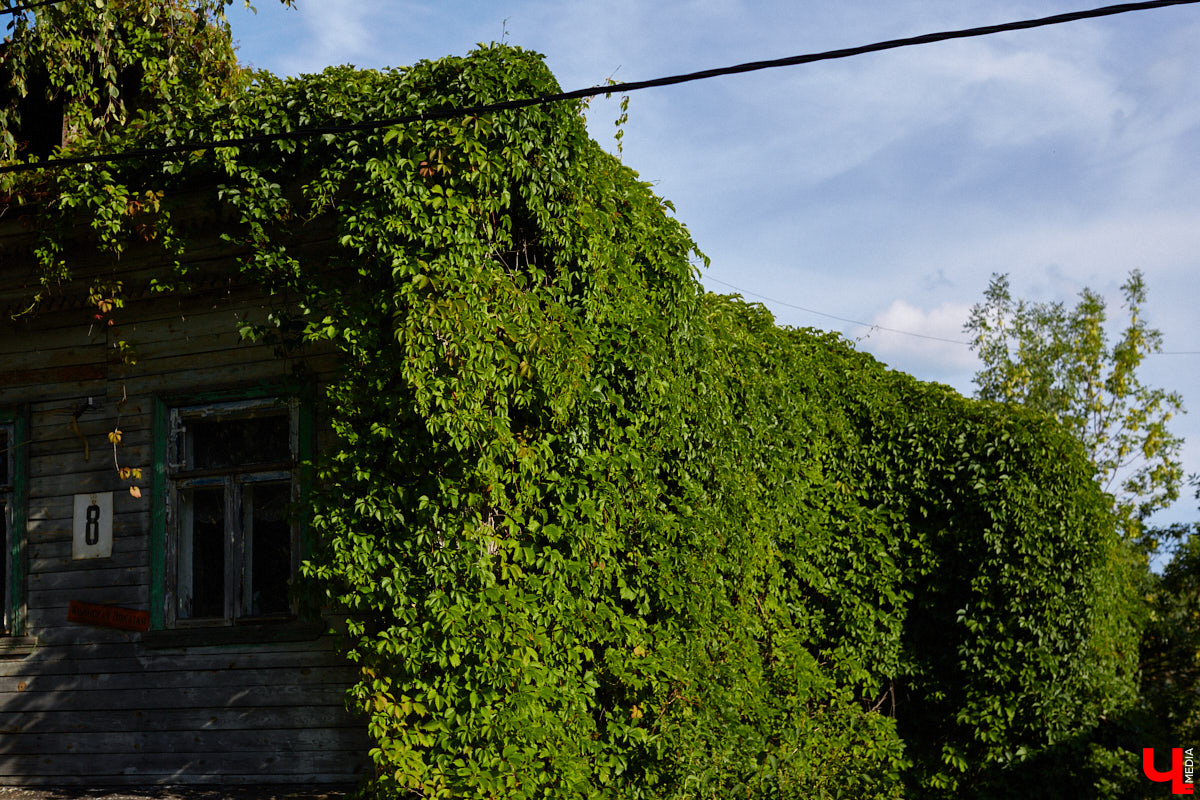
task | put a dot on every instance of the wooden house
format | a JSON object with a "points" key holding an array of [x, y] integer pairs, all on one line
{"points": [[156, 639]]}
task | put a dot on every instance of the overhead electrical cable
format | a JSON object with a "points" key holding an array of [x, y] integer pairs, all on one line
{"points": [[870, 325], [29, 6], [876, 327], [617, 88]]}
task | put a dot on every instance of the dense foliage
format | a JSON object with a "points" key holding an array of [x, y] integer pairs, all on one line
{"points": [[108, 65], [1059, 361], [80, 76], [599, 534], [1171, 649]]}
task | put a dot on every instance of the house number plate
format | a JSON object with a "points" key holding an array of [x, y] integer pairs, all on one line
{"points": [[93, 526]]}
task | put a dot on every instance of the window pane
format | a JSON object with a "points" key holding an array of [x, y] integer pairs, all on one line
{"points": [[238, 442], [5, 457], [202, 553], [268, 548], [5, 543]]}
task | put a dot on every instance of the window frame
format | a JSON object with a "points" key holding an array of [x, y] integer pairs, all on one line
{"points": [[169, 479], [14, 531]]}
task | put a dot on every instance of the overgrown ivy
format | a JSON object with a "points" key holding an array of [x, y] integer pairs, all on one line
{"points": [[600, 534]]}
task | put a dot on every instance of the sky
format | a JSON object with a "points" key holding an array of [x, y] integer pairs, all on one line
{"points": [[877, 192]]}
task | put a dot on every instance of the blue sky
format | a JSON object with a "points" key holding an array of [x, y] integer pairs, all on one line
{"points": [[885, 188]]}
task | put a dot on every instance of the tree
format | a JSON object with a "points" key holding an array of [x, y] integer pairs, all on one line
{"points": [[1170, 663], [1059, 360], [112, 68], [81, 77]]}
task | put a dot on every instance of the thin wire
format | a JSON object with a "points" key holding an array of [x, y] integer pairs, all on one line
{"points": [[618, 88], [633, 86], [29, 6], [870, 325], [873, 326]]}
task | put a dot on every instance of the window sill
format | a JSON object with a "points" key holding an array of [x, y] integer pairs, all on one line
{"points": [[17, 646], [234, 635]]}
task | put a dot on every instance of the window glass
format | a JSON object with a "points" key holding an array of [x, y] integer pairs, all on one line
{"points": [[225, 443], [5, 539], [202, 553], [234, 539], [268, 547], [7, 455]]}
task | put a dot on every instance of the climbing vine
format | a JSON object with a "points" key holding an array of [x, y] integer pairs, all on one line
{"points": [[598, 534]]}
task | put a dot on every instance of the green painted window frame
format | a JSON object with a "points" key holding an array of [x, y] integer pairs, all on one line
{"points": [[301, 397], [15, 534]]}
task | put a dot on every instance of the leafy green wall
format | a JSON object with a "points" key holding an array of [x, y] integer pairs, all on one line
{"points": [[600, 534]]}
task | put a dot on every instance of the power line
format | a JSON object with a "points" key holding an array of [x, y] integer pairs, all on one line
{"points": [[619, 88], [29, 6], [632, 86], [871, 325]]}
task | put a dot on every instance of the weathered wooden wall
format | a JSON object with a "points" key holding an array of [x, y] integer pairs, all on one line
{"points": [[108, 711], [94, 706]]}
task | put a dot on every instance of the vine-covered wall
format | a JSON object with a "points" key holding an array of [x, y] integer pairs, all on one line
{"points": [[599, 534]]}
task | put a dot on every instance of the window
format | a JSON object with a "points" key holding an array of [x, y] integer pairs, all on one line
{"points": [[13, 432], [232, 546], [7, 440]]}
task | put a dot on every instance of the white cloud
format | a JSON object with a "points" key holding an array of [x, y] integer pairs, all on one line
{"points": [[922, 341], [338, 32]]}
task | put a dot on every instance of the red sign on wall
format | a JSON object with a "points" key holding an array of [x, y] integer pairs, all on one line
{"points": [[124, 619]]}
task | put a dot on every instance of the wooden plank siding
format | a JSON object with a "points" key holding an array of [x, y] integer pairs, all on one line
{"points": [[100, 707]]}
